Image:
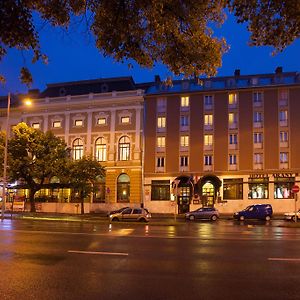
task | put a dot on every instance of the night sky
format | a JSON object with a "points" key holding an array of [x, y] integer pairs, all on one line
{"points": [[73, 56]]}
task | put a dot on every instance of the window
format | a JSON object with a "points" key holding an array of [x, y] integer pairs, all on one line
{"points": [[283, 136], [99, 193], [258, 188], [160, 190], [123, 188], [185, 102], [78, 123], [100, 147], [101, 121], [208, 160], [208, 120], [161, 142], [283, 187], [77, 149], [161, 122], [257, 97], [184, 141], [125, 120], [258, 158], [124, 148], [283, 115], [208, 139], [232, 159], [232, 99], [233, 188], [208, 100], [233, 139], [284, 157], [257, 138], [184, 121], [160, 162], [257, 117], [232, 118], [283, 95], [56, 124], [184, 161], [161, 104], [36, 125]]}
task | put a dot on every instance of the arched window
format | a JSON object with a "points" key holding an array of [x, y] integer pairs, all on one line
{"points": [[77, 149], [124, 148], [123, 188], [100, 188], [100, 149]]}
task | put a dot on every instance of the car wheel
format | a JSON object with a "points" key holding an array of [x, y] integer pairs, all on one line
{"points": [[268, 218], [192, 218], [242, 218], [142, 220], [115, 219], [214, 218], [294, 218]]}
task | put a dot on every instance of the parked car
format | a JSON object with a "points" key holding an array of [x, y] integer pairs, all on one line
{"points": [[209, 213], [290, 216], [117, 211], [131, 214], [256, 211]]}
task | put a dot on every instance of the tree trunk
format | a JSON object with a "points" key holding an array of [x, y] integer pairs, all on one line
{"points": [[31, 199], [82, 202]]}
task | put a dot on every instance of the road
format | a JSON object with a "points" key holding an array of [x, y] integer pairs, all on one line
{"points": [[203, 260]]}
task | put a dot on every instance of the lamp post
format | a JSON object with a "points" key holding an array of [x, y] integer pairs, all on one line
{"points": [[5, 157]]}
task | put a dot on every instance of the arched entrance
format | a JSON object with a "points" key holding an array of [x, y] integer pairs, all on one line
{"points": [[208, 187], [183, 192]]}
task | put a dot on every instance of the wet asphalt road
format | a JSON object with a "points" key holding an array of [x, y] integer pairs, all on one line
{"points": [[203, 260]]}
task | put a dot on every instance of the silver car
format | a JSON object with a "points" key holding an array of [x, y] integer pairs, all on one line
{"points": [[131, 214], [209, 213], [290, 216]]}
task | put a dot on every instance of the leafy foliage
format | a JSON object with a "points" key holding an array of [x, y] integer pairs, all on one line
{"points": [[175, 32]]}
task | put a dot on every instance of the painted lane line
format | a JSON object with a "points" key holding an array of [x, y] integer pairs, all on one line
{"points": [[98, 253], [284, 259]]}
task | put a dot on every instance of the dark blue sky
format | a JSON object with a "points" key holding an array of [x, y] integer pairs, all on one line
{"points": [[74, 57]]}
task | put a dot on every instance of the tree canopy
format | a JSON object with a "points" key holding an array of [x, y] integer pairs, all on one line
{"points": [[175, 32]]}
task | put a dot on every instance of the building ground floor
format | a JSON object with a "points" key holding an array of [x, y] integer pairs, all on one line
{"points": [[167, 194]]}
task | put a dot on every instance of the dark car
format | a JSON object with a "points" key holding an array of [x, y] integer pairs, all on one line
{"points": [[209, 213], [131, 214], [117, 211], [256, 211]]}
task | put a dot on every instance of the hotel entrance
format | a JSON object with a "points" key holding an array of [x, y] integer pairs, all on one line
{"points": [[209, 187]]}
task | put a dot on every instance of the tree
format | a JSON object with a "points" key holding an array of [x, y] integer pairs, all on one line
{"points": [[34, 157], [175, 32], [82, 176]]}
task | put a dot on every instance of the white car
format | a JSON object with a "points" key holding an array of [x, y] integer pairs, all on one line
{"points": [[291, 216]]}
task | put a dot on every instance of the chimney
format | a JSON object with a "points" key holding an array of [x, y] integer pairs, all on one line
{"points": [[237, 72], [278, 70]]}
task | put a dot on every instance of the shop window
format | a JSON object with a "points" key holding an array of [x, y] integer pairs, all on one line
{"points": [[123, 188], [258, 188], [100, 189], [160, 190], [124, 148], [233, 188], [283, 187]]}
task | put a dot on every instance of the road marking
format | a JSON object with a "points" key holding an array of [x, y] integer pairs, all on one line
{"points": [[98, 253], [284, 259]]}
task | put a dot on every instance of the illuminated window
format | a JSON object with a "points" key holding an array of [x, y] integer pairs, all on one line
{"points": [[161, 122], [36, 125], [78, 123], [124, 148], [123, 188], [232, 118], [184, 141], [232, 98], [101, 121], [208, 139], [185, 101], [208, 120], [56, 124], [100, 147], [233, 188], [77, 149], [161, 142], [125, 120]]}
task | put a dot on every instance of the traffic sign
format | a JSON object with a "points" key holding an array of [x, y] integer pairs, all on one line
{"points": [[295, 188]]}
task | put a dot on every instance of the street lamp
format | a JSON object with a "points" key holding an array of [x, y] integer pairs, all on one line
{"points": [[27, 102], [5, 158]]}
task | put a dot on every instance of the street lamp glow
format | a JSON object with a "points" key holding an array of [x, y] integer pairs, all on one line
{"points": [[27, 102]]}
